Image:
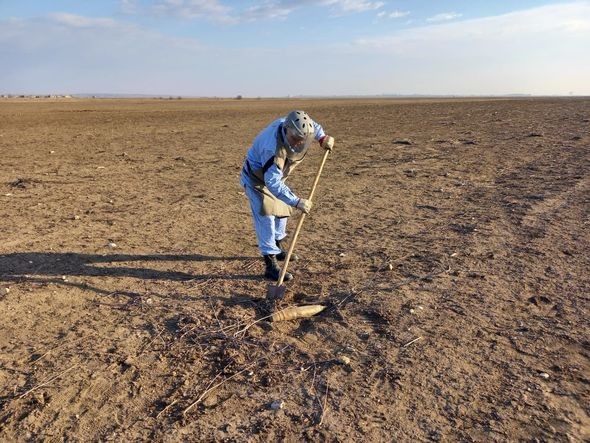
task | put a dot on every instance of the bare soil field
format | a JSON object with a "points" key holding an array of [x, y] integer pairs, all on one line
{"points": [[449, 241]]}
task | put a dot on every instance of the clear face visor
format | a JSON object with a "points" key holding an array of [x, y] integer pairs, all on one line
{"points": [[296, 143]]}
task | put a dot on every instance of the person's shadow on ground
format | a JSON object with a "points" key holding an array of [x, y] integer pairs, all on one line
{"points": [[51, 267]]}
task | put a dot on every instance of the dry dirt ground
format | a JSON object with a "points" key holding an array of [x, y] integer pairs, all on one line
{"points": [[449, 240]]}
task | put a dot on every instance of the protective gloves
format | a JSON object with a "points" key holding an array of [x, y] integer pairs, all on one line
{"points": [[304, 205], [327, 142]]}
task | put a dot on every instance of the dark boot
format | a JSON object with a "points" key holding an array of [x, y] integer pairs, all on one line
{"points": [[282, 244], [273, 271]]}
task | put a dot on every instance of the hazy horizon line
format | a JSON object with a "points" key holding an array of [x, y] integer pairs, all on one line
{"points": [[302, 96]]}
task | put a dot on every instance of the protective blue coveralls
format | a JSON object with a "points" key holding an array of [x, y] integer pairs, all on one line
{"points": [[268, 162]]}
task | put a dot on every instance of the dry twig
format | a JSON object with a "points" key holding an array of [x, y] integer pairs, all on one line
{"points": [[241, 331], [410, 342], [166, 408], [324, 406], [201, 283], [398, 285], [152, 340], [207, 391], [211, 388], [56, 348], [48, 381]]}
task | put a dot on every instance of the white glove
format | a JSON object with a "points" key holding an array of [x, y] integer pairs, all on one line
{"points": [[304, 205], [327, 143]]}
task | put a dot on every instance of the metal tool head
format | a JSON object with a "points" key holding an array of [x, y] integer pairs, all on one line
{"points": [[275, 292]]}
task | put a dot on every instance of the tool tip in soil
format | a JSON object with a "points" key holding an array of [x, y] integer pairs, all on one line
{"points": [[275, 292]]}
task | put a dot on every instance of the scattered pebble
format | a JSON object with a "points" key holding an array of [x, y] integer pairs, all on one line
{"points": [[52, 152], [342, 254], [277, 404], [112, 245], [343, 359], [149, 301], [390, 266], [544, 375], [412, 311], [76, 217], [210, 401], [6, 290]]}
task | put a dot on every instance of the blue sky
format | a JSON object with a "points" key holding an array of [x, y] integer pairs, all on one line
{"points": [[271, 48]]}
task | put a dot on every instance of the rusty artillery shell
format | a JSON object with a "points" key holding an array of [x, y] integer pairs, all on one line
{"points": [[294, 312]]}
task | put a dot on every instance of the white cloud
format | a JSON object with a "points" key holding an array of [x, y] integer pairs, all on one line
{"points": [[192, 9], [215, 10], [543, 21], [78, 21], [539, 50], [268, 11], [281, 9], [445, 16], [393, 15], [129, 6], [70, 53], [353, 5]]}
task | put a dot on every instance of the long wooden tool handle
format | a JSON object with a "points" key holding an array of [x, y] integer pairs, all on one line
{"points": [[301, 220]]}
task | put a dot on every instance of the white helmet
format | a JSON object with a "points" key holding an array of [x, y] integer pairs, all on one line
{"points": [[299, 123], [299, 127]]}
